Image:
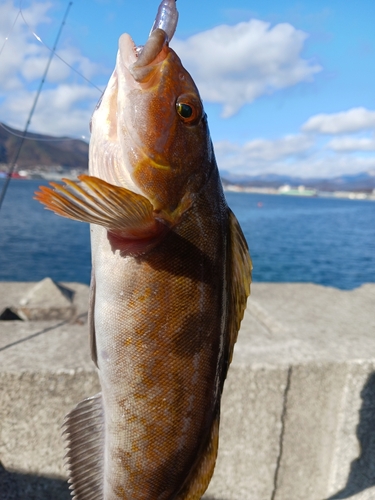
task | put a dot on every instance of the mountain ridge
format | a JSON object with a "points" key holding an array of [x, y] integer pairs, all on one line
{"points": [[39, 150], [363, 181]]}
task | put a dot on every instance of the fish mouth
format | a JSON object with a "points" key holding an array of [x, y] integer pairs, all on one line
{"points": [[117, 113]]}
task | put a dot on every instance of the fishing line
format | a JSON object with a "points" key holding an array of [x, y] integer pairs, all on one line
{"points": [[18, 151], [55, 53], [39, 39], [11, 29]]}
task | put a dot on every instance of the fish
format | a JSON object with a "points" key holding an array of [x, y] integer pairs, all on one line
{"points": [[171, 275]]}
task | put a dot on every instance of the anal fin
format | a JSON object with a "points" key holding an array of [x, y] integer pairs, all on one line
{"points": [[84, 435]]}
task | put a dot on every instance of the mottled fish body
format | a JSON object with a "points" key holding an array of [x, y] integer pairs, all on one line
{"points": [[171, 276]]}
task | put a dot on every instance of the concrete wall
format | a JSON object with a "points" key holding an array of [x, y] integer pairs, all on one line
{"points": [[298, 413]]}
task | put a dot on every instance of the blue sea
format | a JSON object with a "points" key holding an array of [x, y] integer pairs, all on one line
{"points": [[292, 239]]}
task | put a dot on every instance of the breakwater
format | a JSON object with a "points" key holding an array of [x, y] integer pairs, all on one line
{"points": [[298, 415]]}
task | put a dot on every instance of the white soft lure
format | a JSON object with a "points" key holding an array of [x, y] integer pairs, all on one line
{"points": [[166, 18]]}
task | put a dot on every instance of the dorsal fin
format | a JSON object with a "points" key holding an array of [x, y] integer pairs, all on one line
{"points": [[84, 435], [239, 273], [202, 473]]}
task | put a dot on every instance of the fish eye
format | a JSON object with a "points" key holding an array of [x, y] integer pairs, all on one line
{"points": [[184, 110], [189, 108]]}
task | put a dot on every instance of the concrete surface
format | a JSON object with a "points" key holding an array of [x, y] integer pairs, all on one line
{"points": [[298, 413], [46, 300]]}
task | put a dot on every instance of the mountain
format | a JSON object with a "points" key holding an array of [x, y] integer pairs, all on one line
{"points": [[44, 151], [364, 181]]}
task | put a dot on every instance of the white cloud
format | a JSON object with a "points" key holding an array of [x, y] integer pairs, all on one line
{"points": [[261, 150], [348, 143], [263, 156], [327, 166], [233, 65], [21, 45], [64, 106], [314, 163], [63, 110], [25, 58], [353, 120], [301, 155]]}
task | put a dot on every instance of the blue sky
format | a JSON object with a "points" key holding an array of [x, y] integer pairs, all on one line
{"points": [[289, 87]]}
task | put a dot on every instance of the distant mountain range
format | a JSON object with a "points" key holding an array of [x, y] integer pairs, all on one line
{"points": [[364, 181], [40, 150], [47, 152]]}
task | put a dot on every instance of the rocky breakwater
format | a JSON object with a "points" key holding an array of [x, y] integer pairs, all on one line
{"points": [[298, 416]]}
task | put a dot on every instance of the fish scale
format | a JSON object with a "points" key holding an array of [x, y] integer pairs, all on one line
{"points": [[160, 345]]}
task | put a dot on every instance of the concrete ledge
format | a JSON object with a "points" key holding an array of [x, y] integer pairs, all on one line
{"points": [[298, 414]]}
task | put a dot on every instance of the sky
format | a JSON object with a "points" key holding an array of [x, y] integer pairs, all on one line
{"points": [[288, 87]]}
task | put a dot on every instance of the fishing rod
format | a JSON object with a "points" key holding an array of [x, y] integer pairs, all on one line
{"points": [[24, 134]]}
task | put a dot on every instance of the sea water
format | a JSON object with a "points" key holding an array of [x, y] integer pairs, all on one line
{"points": [[327, 241]]}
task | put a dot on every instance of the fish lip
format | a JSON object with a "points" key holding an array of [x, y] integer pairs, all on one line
{"points": [[127, 56], [139, 63], [128, 50]]}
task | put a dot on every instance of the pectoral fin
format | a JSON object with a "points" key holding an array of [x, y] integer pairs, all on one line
{"points": [[84, 433], [239, 271], [119, 210]]}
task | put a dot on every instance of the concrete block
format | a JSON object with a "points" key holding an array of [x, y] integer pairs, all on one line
{"points": [[249, 433], [45, 369], [51, 299], [31, 412], [352, 474], [311, 431], [47, 300], [298, 412]]}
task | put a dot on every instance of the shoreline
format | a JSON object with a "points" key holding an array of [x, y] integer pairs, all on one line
{"points": [[284, 190], [301, 191]]}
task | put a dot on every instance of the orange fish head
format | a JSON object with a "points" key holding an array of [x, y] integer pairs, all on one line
{"points": [[151, 118]]}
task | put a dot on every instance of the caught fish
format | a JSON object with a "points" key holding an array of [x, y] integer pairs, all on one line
{"points": [[171, 274]]}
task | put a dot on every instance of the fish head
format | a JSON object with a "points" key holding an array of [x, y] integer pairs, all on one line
{"points": [[152, 125]]}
